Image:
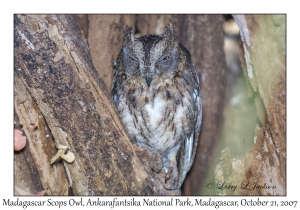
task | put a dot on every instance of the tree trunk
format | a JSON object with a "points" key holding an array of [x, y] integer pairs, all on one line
{"points": [[57, 85], [263, 167], [105, 39]]}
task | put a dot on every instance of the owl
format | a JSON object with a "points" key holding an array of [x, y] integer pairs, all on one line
{"points": [[156, 90]]}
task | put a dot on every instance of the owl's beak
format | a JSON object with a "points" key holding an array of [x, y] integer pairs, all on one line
{"points": [[148, 79]]}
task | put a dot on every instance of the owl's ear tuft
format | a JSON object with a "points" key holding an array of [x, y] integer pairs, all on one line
{"points": [[128, 36], [170, 32]]}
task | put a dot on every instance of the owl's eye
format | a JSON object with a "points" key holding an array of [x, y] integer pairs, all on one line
{"points": [[164, 58], [132, 59]]}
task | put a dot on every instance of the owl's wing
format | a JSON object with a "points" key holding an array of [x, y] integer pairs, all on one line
{"points": [[114, 87], [189, 148]]}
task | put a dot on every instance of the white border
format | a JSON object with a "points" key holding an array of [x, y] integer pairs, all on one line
{"points": [[55, 6]]}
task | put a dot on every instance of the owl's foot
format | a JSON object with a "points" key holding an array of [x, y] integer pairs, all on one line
{"points": [[156, 162], [171, 177]]}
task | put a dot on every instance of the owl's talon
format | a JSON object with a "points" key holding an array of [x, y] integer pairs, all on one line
{"points": [[171, 177]]}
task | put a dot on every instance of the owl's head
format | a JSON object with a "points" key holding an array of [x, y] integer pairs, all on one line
{"points": [[151, 58]]}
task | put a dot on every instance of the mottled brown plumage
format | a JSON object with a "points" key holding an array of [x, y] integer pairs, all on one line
{"points": [[156, 90]]}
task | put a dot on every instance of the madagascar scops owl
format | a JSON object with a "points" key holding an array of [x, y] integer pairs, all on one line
{"points": [[156, 90]]}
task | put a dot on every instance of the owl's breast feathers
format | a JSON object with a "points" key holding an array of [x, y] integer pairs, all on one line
{"points": [[160, 117], [156, 90]]}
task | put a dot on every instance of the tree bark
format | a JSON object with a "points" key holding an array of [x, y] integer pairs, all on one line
{"points": [[105, 39], [55, 75], [267, 59], [83, 22], [146, 24], [40, 148], [264, 64], [27, 179]]}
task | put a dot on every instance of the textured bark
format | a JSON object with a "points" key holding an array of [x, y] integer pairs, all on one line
{"points": [[203, 36], [83, 22], [105, 39], [269, 68], [264, 64], [26, 176], [40, 147], [53, 62]]}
